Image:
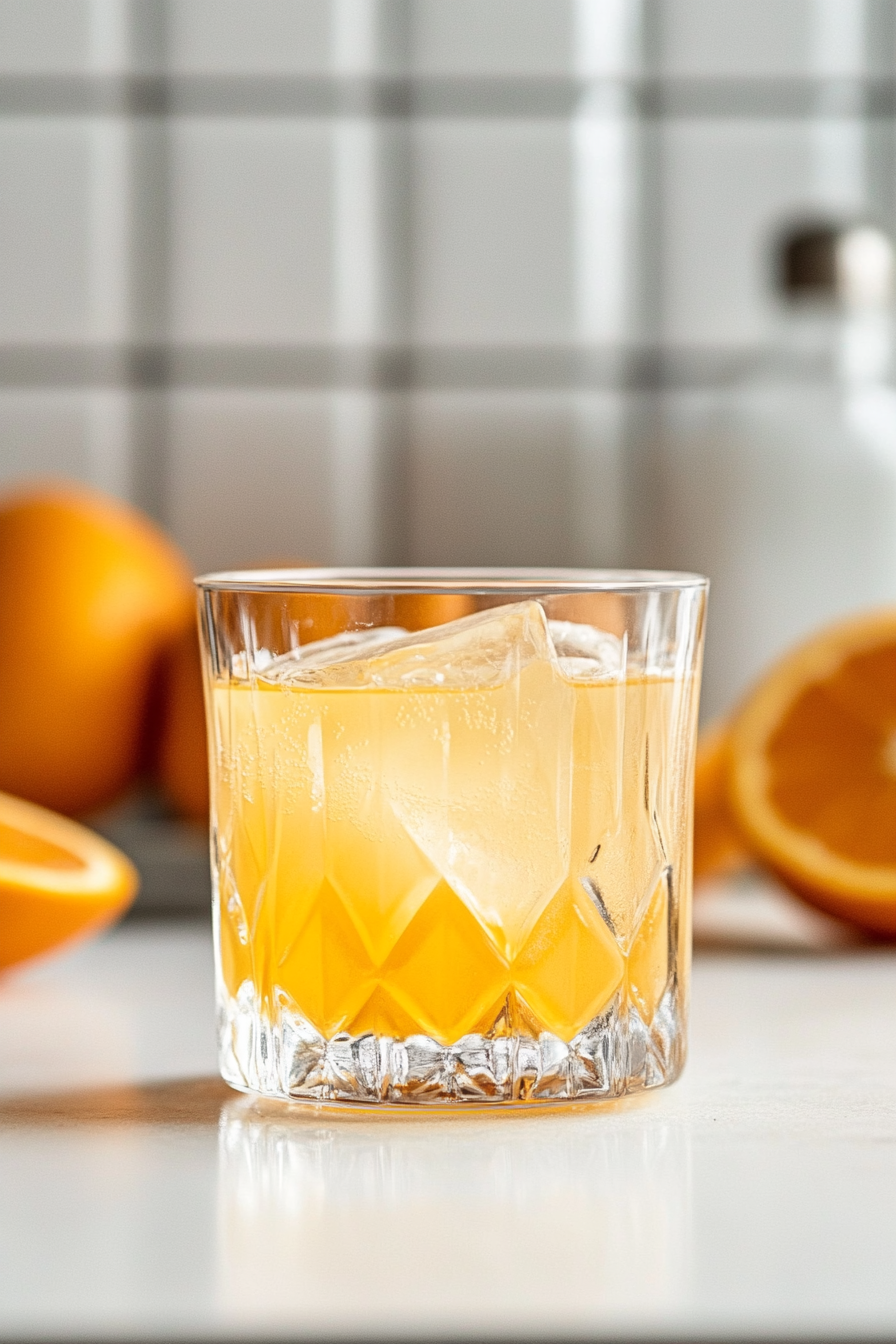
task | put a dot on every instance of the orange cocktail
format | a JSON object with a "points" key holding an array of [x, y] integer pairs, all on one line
{"points": [[451, 863]]}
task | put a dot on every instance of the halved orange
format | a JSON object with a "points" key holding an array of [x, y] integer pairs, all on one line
{"points": [[58, 881], [812, 770], [719, 846]]}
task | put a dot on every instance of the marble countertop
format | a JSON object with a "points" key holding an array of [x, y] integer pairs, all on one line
{"points": [[140, 1199]]}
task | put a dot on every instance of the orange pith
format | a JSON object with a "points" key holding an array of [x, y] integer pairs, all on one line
{"points": [[812, 777], [58, 881]]}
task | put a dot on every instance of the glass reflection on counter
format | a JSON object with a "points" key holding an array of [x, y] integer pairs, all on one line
{"points": [[566, 1214]]}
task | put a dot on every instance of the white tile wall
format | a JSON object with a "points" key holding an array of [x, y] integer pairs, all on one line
{"points": [[606, 190], [493, 231], [517, 232], [370, 229], [250, 36], [608, 38], [490, 479], [726, 189], [85, 434], [283, 37], [525, 38], [251, 231], [64, 224], [67, 36], [44, 35], [516, 478], [42, 433], [111, 200], [439, 230], [766, 38], [252, 475], [285, 230], [599, 492], [467, 37], [46, 177], [488, 37]]}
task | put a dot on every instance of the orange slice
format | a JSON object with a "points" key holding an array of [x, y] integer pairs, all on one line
{"points": [[812, 770], [719, 846], [58, 881]]}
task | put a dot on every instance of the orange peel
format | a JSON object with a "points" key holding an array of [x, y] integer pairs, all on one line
{"points": [[90, 594], [58, 881]]}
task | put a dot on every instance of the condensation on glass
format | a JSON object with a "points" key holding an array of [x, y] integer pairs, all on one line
{"points": [[451, 831]]}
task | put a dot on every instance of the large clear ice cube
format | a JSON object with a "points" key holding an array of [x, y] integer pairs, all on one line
{"points": [[469, 768], [344, 648], [476, 651], [478, 765]]}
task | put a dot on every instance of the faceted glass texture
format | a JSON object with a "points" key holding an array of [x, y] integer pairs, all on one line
{"points": [[451, 831]]}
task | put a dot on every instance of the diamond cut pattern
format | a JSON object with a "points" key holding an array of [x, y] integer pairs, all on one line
{"points": [[383, 883], [382, 1015], [235, 954], [571, 964], [445, 978], [445, 971], [648, 959], [510, 1017], [326, 969], [370, 858]]}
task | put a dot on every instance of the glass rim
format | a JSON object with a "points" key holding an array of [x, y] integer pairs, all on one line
{"points": [[472, 581]]}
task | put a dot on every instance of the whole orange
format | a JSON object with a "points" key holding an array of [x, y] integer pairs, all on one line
{"points": [[181, 756], [90, 592]]}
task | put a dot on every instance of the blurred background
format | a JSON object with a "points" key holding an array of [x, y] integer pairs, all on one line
{"points": [[480, 282]]}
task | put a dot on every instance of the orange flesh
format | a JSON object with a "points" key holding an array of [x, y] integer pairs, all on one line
{"points": [[830, 759], [58, 881], [18, 847], [332, 808]]}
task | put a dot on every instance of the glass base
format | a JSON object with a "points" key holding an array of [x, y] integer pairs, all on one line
{"points": [[617, 1053]]}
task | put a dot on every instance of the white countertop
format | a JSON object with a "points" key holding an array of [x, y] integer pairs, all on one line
{"points": [[140, 1199]]}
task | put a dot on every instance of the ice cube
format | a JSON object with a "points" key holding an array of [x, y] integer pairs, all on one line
{"points": [[476, 760], [479, 651], [245, 665], [585, 653], [297, 663]]}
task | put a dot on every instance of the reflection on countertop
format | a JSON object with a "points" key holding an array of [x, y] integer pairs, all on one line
{"points": [[752, 1198], [547, 1210]]}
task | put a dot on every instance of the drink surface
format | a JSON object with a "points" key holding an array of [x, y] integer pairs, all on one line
{"points": [[482, 829]]}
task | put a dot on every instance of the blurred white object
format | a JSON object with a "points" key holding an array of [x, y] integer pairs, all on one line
{"points": [[781, 486], [751, 909]]}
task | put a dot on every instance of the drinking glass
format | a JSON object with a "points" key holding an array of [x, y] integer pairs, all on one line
{"points": [[451, 830]]}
